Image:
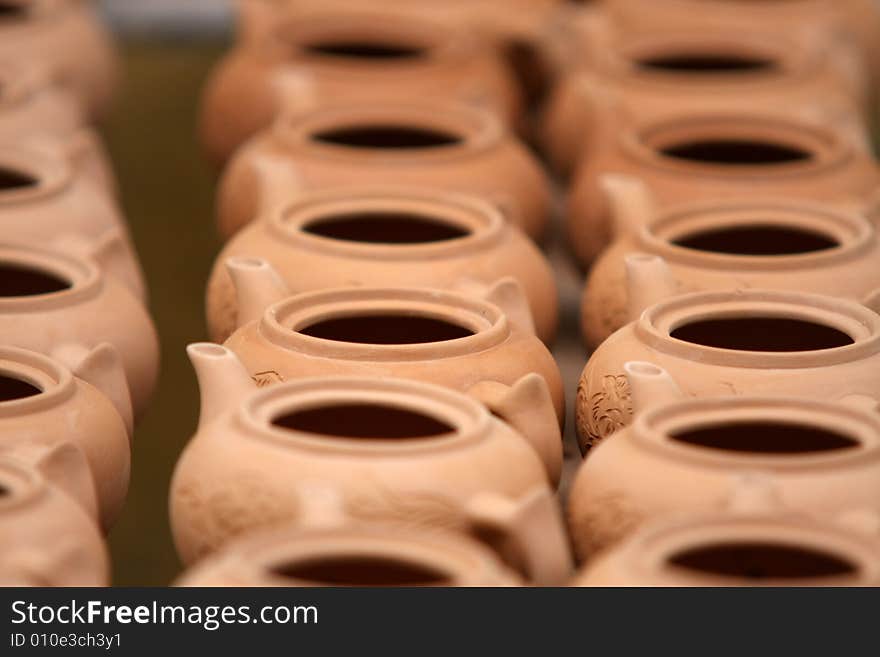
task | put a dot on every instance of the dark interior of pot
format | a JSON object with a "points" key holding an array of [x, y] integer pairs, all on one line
{"points": [[12, 389], [737, 152], [757, 240], [13, 10], [385, 228], [388, 137], [372, 421], [386, 329], [20, 281], [765, 334], [766, 438], [12, 180], [365, 50], [700, 63], [362, 571], [763, 560]]}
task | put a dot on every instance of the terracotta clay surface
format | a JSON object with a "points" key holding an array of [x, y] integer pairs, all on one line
{"points": [[446, 147], [723, 550], [68, 37], [50, 302], [331, 58], [702, 156], [474, 349], [387, 450], [367, 555], [43, 404], [46, 539], [387, 236], [739, 342], [678, 459], [785, 245], [644, 74]]}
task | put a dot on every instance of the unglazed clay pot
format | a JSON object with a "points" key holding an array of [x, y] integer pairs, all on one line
{"points": [[68, 37], [714, 246], [359, 555], [46, 537], [755, 545], [33, 105], [43, 403], [358, 449], [651, 75], [325, 59], [50, 301], [387, 236], [737, 342], [49, 196], [717, 156], [428, 335], [678, 457], [446, 147], [854, 24]]}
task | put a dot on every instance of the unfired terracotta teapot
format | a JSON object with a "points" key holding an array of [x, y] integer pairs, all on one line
{"points": [[50, 300], [316, 449], [364, 555], [678, 457], [387, 236], [46, 537], [33, 104], [68, 37], [752, 542], [322, 59], [736, 342], [42, 402], [453, 148], [649, 74], [49, 195], [452, 340], [748, 242], [700, 156]]}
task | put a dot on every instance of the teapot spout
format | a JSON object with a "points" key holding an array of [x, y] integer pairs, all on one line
{"points": [[650, 385], [257, 286], [631, 204], [649, 281], [223, 379]]}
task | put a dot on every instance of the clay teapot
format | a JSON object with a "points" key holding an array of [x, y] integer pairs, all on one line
{"points": [[452, 340], [748, 242], [33, 104], [679, 455], [644, 74], [49, 195], [47, 537], [754, 541], [452, 148], [358, 555], [735, 342], [721, 155], [42, 402], [51, 300], [384, 236], [327, 58], [307, 451], [67, 36]]}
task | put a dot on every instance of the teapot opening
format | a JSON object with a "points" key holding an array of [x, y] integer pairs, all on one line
{"points": [[364, 420], [11, 180], [11, 10], [706, 63], [351, 49], [344, 570], [765, 334], [388, 137], [12, 389], [22, 281], [737, 152], [763, 560], [385, 228], [386, 329], [757, 240], [766, 438]]}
